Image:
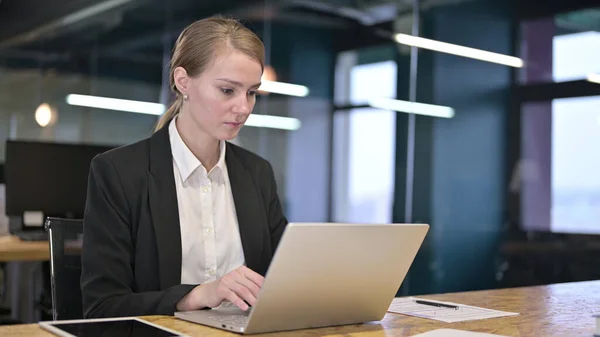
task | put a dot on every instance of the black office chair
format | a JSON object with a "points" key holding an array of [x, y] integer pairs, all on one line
{"points": [[66, 237]]}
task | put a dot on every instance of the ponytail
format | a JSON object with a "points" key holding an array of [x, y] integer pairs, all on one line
{"points": [[171, 112]]}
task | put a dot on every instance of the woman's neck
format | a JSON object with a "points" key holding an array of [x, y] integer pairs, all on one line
{"points": [[204, 147]]}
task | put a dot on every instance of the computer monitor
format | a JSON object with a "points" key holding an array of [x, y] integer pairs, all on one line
{"points": [[48, 178]]}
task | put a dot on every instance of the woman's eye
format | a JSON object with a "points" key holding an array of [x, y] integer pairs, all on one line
{"points": [[227, 91], [252, 93]]}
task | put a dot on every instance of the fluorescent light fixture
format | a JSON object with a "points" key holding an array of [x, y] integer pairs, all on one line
{"points": [[454, 49], [92, 11], [263, 121], [412, 107], [273, 122], [594, 78], [116, 104], [284, 88]]}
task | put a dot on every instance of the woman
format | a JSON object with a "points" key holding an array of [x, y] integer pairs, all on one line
{"points": [[184, 220]]}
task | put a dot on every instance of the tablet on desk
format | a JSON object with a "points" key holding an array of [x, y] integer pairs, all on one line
{"points": [[113, 327]]}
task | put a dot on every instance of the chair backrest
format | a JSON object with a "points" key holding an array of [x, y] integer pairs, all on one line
{"points": [[66, 237]]}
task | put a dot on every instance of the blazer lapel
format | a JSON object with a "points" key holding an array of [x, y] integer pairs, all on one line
{"points": [[248, 208], [164, 210]]}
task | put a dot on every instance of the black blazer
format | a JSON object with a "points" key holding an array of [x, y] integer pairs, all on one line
{"points": [[131, 256]]}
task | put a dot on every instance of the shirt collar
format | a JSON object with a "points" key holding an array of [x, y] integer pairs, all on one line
{"points": [[184, 158]]}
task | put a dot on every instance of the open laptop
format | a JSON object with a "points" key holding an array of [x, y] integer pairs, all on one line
{"points": [[325, 274]]}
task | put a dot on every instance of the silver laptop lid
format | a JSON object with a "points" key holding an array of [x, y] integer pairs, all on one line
{"points": [[326, 274]]}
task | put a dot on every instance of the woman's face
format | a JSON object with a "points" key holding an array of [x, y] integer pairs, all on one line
{"points": [[222, 97]]}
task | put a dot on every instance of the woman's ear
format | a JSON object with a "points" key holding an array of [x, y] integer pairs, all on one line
{"points": [[181, 79]]}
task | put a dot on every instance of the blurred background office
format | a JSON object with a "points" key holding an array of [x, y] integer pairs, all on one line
{"points": [[500, 155]]}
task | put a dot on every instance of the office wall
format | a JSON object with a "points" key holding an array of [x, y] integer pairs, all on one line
{"points": [[299, 55], [75, 124], [310, 61], [23, 90], [459, 183]]}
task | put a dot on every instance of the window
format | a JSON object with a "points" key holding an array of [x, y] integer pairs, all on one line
{"points": [[560, 48], [575, 165], [559, 167], [364, 145], [575, 56], [554, 181]]}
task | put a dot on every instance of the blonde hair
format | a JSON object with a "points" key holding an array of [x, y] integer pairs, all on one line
{"points": [[201, 43]]}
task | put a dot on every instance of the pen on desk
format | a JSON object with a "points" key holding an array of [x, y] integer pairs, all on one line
{"points": [[436, 304]]}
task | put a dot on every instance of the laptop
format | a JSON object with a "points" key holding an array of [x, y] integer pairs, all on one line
{"points": [[325, 274]]}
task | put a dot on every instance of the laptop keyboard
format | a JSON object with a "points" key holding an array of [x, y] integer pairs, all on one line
{"points": [[231, 319]]}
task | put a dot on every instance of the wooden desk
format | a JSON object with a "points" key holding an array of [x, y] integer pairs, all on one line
{"points": [[14, 249], [553, 310], [23, 274]]}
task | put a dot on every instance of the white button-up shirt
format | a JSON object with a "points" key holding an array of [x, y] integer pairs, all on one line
{"points": [[210, 239]]}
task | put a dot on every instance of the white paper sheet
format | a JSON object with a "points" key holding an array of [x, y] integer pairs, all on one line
{"points": [[408, 306], [455, 333]]}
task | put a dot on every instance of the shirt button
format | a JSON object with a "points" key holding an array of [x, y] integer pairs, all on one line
{"points": [[209, 230], [205, 189], [211, 271]]}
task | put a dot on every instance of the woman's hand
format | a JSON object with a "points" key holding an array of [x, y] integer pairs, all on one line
{"points": [[240, 287]]}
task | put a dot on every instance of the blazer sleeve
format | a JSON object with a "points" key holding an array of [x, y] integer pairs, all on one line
{"points": [[277, 219], [108, 253]]}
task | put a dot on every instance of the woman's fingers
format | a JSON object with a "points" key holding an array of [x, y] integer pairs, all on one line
{"points": [[232, 297], [241, 287], [251, 275]]}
